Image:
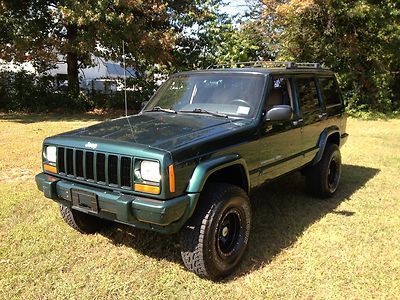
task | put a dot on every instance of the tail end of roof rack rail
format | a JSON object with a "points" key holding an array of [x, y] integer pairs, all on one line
{"points": [[267, 64]]}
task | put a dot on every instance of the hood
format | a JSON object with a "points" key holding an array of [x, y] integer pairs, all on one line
{"points": [[158, 129]]}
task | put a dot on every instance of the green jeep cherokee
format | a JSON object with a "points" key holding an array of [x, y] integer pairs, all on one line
{"points": [[188, 160]]}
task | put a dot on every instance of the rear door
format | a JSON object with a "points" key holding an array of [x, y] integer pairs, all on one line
{"points": [[312, 113]]}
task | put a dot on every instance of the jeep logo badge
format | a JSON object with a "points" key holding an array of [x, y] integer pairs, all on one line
{"points": [[91, 145]]}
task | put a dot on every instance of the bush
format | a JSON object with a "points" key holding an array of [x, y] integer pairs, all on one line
{"points": [[24, 91], [28, 92], [143, 89]]}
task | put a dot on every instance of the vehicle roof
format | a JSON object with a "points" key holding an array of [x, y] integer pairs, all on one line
{"points": [[263, 71]]}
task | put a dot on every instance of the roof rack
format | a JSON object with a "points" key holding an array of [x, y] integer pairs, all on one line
{"points": [[267, 64]]}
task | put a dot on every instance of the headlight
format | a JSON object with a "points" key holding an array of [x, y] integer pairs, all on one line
{"points": [[150, 171], [50, 154]]}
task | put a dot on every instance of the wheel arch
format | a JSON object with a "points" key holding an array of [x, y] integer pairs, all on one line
{"points": [[229, 169], [330, 135]]}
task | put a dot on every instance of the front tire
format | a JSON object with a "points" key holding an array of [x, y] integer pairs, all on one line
{"points": [[80, 221], [323, 179], [214, 240]]}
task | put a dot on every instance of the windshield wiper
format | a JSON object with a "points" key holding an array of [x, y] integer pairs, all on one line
{"points": [[159, 108], [203, 111]]}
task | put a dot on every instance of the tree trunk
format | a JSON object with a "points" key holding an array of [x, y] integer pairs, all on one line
{"points": [[72, 60]]}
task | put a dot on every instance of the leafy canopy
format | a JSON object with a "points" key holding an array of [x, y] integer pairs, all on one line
{"points": [[359, 39]]}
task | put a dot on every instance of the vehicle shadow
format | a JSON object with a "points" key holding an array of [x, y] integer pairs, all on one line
{"points": [[282, 211]]}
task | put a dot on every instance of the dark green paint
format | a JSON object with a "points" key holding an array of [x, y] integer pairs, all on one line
{"points": [[162, 216], [197, 145]]}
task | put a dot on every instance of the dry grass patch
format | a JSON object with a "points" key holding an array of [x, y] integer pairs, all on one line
{"points": [[346, 247]]}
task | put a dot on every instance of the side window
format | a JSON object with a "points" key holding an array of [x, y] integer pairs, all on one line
{"points": [[329, 91], [308, 95], [280, 92]]}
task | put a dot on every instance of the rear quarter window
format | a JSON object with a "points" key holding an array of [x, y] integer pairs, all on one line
{"points": [[330, 91]]}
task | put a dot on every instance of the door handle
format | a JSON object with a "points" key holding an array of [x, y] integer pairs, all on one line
{"points": [[298, 122], [323, 115]]}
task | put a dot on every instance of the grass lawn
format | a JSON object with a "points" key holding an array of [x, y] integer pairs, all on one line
{"points": [[346, 247]]}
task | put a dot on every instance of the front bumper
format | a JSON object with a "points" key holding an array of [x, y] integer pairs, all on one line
{"points": [[163, 216]]}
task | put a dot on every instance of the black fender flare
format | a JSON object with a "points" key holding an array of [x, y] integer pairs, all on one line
{"points": [[206, 168], [322, 141]]}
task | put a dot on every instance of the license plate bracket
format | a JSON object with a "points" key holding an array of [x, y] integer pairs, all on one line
{"points": [[85, 200]]}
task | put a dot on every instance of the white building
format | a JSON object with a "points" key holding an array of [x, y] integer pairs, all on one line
{"points": [[105, 76]]}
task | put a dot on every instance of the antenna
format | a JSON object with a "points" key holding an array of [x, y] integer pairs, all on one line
{"points": [[123, 59]]}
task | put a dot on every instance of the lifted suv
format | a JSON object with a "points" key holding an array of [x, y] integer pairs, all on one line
{"points": [[189, 159]]}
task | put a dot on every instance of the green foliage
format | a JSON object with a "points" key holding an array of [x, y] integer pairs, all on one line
{"points": [[26, 92], [154, 32], [359, 39], [31, 93], [39, 30], [366, 114], [219, 39], [144, 89], [244, 42], [89, 27]]}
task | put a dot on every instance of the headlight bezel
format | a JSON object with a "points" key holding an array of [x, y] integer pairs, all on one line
{"points": [[147, 184], [147, 171], [50, 154]]}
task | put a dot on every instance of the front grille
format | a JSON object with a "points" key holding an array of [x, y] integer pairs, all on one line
{"points": [[109, 169]]}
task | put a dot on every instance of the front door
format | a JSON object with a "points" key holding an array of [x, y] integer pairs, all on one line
{"points": [[280, 142]]}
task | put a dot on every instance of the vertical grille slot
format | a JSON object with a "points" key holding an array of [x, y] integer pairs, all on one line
{"points": [[70, 162], [109, 169], [60, 160], [79, 163], [113, 169], [89, 165], [101, 167], [126, 171]]}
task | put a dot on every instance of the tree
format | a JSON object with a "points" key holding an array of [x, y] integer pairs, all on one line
{"points": [[39, 30], [358, 39], [196, 46], [217, 38]]}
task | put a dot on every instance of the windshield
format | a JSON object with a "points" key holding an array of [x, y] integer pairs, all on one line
{"points": [[227, 94]]}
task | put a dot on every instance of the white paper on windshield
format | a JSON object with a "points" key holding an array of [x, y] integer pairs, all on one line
{"points": [[243, 110]]}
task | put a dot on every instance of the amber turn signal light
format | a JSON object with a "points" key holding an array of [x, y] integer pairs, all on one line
{"points": [[171, 178], [49, 168], [144, 188]]}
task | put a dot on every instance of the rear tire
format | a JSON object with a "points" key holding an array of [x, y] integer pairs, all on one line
{"points": [[82, 222], [214, 240], [323, 178]]}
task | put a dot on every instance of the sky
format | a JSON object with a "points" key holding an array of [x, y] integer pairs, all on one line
{"points": [[233, 7]]}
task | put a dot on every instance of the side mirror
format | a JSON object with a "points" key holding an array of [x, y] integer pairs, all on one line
{"points": [[279, 113]]}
